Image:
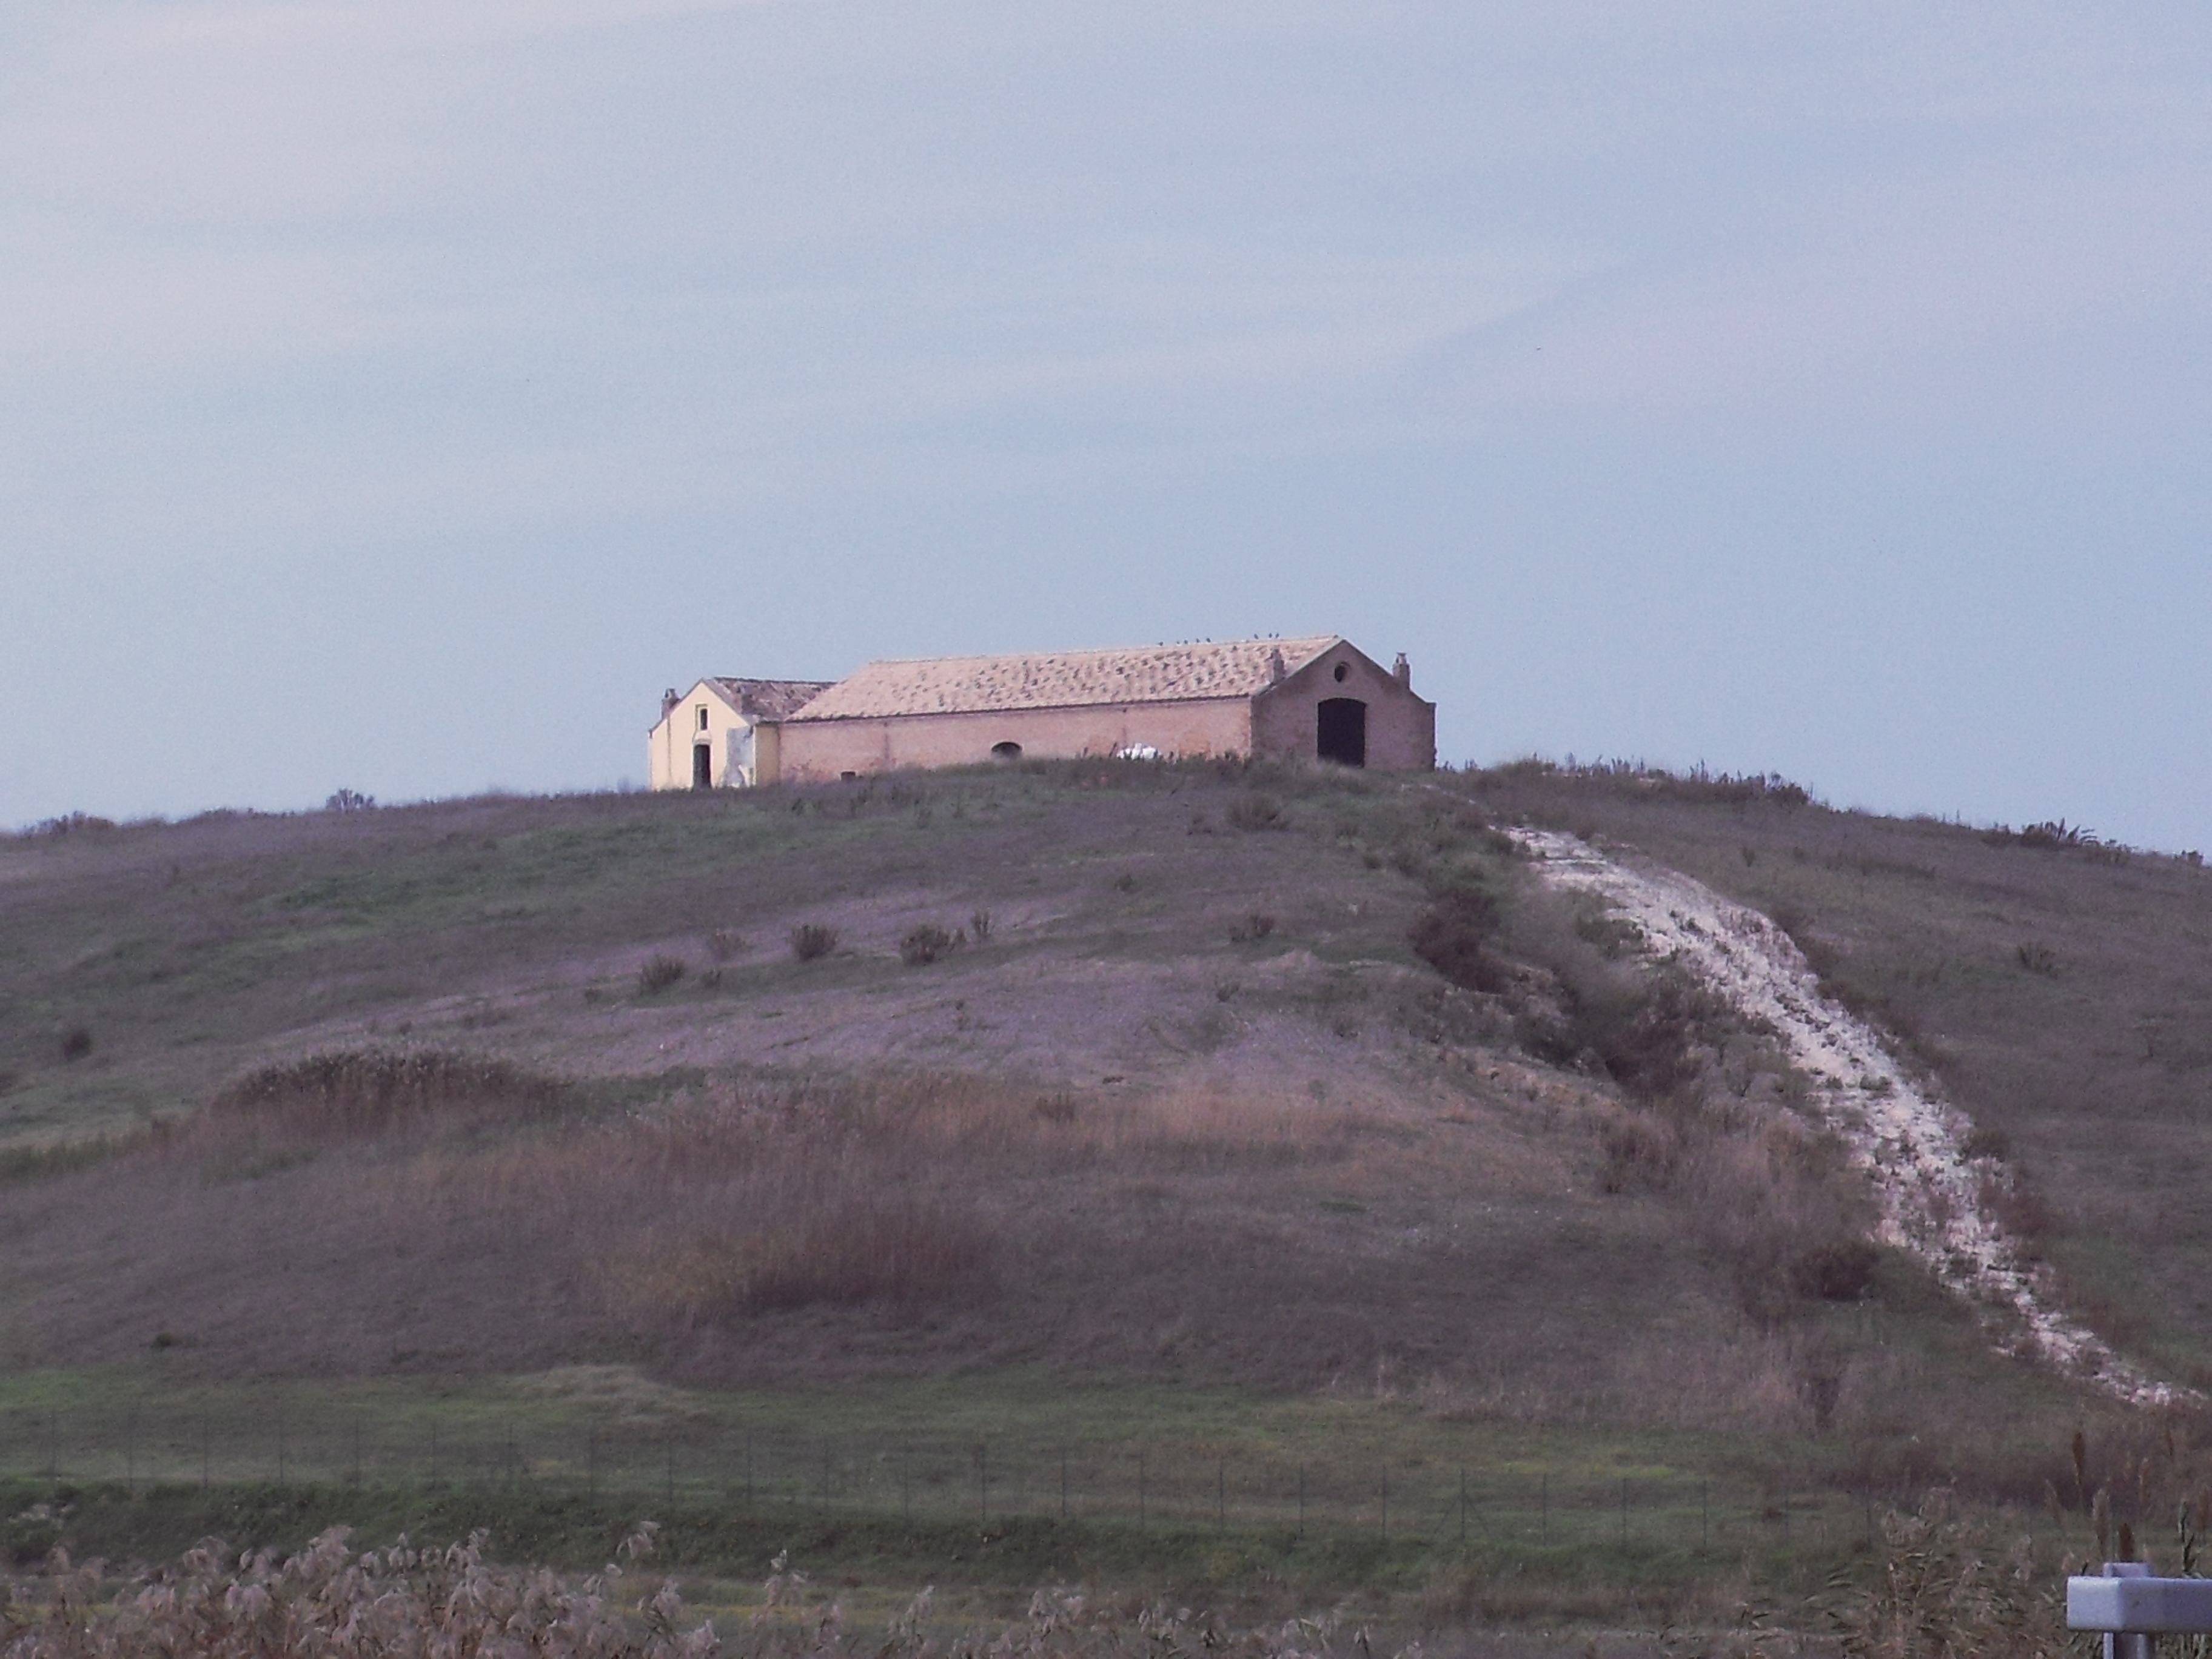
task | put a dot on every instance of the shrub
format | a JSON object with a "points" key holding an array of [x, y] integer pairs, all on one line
{"points": [[1454, 937], [1840, 1271], [811, 941], [926, 943], [1255, 925], [76, 1043], [2037, 959], [348, 800], [1983, 1141], [724, 943], [979, 925], [1255, 809], [658, 972]]}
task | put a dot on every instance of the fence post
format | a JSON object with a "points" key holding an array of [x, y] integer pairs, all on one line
{"points": [[1544, 1508], [1462, 1504], [1705, 1516], [1221, 1493], [130, 1458], [1140, 1491], [280, 1446], [1624, 1511], [592, 1463], [1386, 1503], [983, 1482], [206, 1437], [1063, 1483], [1302, 1500]]}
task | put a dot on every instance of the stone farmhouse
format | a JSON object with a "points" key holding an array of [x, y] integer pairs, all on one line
{"points": [[721, 733], [1312, 699]]}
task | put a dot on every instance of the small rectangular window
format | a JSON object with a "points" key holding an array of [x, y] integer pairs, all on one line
{"points": [[702, 717]]}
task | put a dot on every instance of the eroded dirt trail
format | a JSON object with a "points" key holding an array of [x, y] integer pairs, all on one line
{"points": [[1909, 1141]]}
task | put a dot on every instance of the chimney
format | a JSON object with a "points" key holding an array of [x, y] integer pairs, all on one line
{"points": [[668, 702], [1403, 671], [1275, 669]]}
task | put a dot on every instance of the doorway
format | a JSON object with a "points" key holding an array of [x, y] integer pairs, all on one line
{"points": [[1340, 731], [702, 766]]}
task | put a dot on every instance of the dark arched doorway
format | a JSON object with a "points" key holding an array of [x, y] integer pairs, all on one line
{"points": [[1340, 731], [702, 767]]}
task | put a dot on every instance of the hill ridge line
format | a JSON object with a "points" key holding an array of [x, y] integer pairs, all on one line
{"points": [[1907, 1139]]}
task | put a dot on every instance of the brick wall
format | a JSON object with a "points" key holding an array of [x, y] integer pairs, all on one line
{"points": [[813, 751]]}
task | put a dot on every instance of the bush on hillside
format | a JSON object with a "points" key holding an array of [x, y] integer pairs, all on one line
{"points": [[659, 971], [1255, 809], [1456, 935], [926, 943], [1841, 1270], [811, 941]]}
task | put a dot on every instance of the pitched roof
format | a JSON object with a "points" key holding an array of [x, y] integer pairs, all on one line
{"points": [[1062, 680], [769, 700]]}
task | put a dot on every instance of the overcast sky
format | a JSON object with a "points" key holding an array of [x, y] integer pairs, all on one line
{"points": [[399, 394]]}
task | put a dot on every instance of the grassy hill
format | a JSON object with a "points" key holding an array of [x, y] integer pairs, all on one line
{"points": [[1116, 1088]]}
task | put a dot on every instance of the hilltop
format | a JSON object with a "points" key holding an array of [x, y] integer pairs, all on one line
{"points": [[1302, 1085]]}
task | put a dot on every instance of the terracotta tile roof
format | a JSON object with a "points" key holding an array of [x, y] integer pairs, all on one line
{"points": [[770, 699], [1062, 680]]}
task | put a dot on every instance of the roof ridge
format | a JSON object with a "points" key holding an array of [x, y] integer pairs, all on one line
{"points": [[1117, 650]]}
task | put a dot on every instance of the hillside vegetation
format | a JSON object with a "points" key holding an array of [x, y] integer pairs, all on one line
{"points": [[1090, 1077]]}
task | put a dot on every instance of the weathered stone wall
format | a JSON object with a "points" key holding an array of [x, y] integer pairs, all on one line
{"points": [[1401, 728], [812, 750]]}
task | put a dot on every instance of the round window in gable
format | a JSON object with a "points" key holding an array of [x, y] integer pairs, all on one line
{"points": [[1005, 752], [1341, 672]]}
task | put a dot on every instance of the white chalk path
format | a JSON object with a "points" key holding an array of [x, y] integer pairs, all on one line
{"points": [[1909, 1142]]}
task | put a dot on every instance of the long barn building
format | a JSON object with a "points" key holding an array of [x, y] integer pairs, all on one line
{"points": [[1314, 699]]}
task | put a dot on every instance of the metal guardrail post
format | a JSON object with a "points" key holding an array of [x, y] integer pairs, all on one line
{"points": [[2133, 1609]]}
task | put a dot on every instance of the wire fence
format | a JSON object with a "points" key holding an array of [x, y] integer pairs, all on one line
{"points": [[923, 1481]]}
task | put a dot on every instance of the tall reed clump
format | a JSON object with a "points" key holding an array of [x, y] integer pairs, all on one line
{"points": [[1951, 1588], [330, 1599], [348, 1093]]}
